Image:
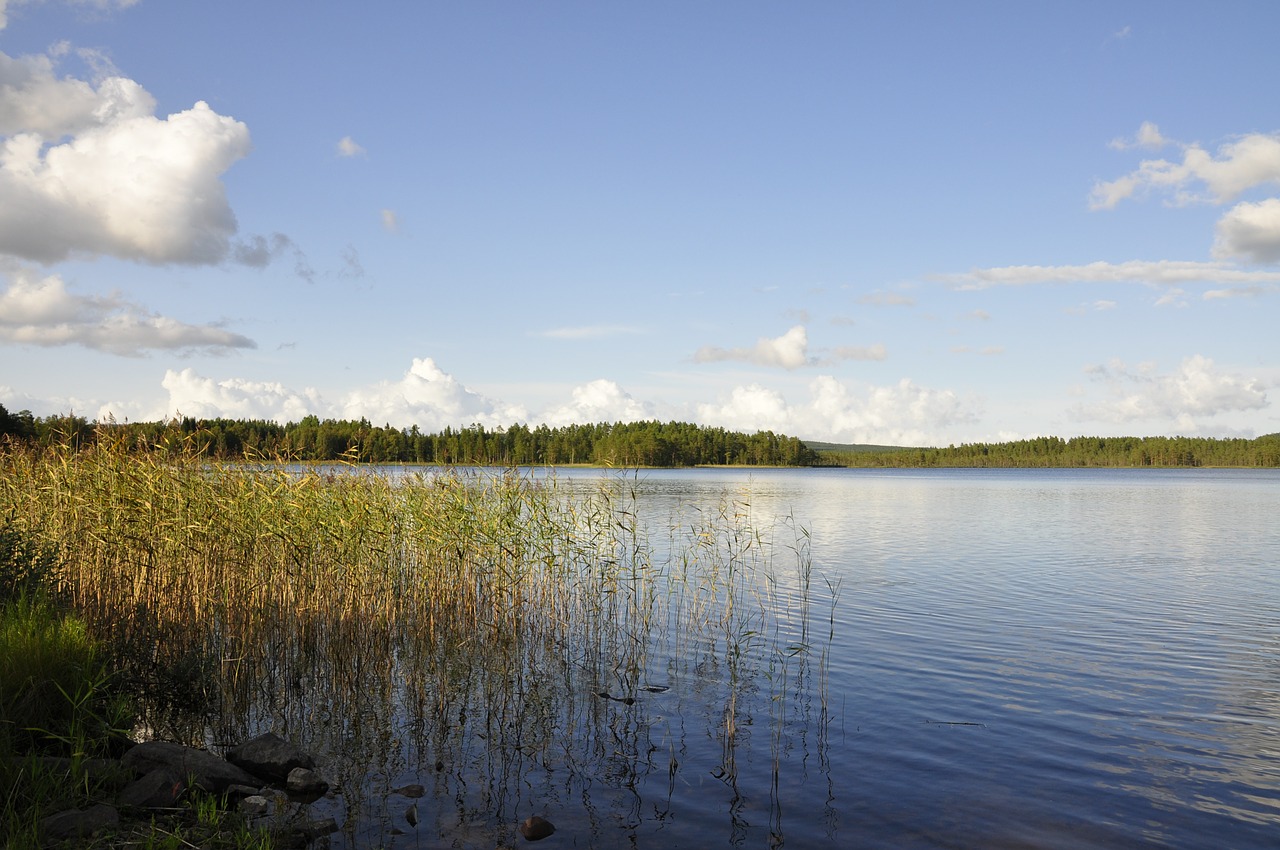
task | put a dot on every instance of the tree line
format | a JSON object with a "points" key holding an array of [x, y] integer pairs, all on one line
{"points": [[1076, 452], [625, 444]]}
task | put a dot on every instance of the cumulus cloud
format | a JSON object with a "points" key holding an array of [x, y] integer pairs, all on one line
{"points": [[900, 414], [1196, 389], [193, 395], [789, 351], [41, 311], [1250, 231], [429, 397], [1133, 271], [347, 147], [90, 170], [1249, 161], [598, 401], [424, 395]]}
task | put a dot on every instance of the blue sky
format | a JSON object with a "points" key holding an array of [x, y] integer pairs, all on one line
{"points": [[907, 223]]}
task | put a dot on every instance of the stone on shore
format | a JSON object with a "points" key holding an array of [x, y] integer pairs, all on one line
{"points": [[207, 771], [270, 757], [161, 788]]}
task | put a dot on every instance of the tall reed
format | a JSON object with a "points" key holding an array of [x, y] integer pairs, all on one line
{"points": [[458, 607]]}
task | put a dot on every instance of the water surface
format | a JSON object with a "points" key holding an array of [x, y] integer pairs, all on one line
{"points": [[989, 659]]}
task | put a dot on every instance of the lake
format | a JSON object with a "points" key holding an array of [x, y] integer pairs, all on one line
{"points": [[971, 659]]}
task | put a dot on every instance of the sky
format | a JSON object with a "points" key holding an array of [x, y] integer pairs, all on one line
{"points": [[904, 223]]}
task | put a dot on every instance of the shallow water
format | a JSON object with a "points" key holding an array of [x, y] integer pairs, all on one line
{"points": [[990, 659]]}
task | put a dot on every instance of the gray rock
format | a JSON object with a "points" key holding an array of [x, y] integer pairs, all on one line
{"points": [[305, 783], [160, 788], [77, 823], [254, 805], [206, 770], [239, 792], [270, 757]]}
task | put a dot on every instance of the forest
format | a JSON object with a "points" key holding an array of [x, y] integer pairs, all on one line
{"points": [[1046, 452], [622, 444]]}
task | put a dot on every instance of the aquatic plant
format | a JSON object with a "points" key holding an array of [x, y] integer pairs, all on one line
{"points": [[491, 625]]}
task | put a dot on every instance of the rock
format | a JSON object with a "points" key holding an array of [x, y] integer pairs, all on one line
{"points": [[76, 823], [270, 757], [305, 783], [254, 805], [239, 792], [206, 770], [161, 788], [536, 828]]}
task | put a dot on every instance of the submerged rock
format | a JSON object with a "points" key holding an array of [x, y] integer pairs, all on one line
{"points": [[536, 828]]}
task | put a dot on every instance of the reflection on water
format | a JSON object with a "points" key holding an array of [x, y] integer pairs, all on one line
{"points": [[977, 658]]}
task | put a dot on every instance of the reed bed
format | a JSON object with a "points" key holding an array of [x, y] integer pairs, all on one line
{"points": [[486, 621]]}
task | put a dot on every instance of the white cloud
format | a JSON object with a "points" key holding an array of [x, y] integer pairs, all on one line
{"points": [[90, 170], [598, 401], [1250, 231], [430, 398], [40, 311], [425, 395], [1133, 271], [790, 351], [390, 221], [347, 147], [899, 414], [1196, 389], [235, 398], [1249, 161], [1148, 136]]}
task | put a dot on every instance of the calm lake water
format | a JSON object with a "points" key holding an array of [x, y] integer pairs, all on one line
{"points": [[991, 659]]}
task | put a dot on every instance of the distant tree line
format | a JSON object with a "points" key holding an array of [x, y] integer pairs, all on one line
{"points": [[626, 444], [1077, 451]]}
